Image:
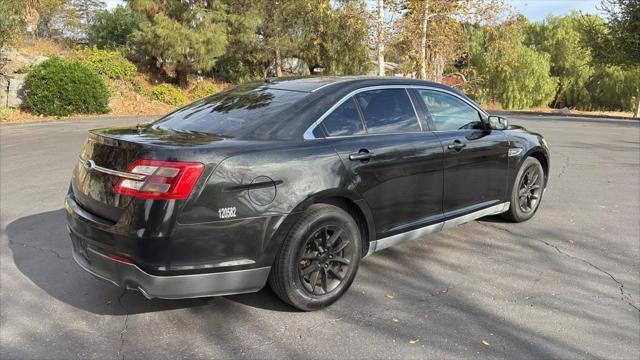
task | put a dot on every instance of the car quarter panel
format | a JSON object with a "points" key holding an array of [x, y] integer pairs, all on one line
{"points": [[255, 193]]}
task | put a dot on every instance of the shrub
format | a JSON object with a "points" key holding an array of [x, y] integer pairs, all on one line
{"points": [[169, 94], [203, 89], [110, 64], [60, 87]]}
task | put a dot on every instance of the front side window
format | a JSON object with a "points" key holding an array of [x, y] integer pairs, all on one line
{"points": [[449, 112], [344, 120], [388, 111]]}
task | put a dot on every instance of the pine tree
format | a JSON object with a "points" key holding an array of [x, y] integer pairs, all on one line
{"points": [[181, 37]]}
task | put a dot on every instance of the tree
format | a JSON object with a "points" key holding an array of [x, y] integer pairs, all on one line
{"points": [[245, 58], [439, 24], [12, 20], [560, 37], [50, 15], [181, 37], [113, 29], [616, 42], [380, 39], [281, 20], [507, 71], [335, 37]]}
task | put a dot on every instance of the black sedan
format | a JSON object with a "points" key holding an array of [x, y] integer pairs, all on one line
{"points": [[292, 182]]}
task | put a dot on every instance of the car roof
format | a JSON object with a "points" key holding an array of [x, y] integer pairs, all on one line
{"points": [[315, 83]]}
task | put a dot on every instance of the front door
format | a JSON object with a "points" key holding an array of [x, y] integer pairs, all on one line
{"points": [[475, 159]]}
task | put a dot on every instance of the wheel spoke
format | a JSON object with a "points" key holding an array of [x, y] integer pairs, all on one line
{"points": [[309, 269], [534, 197], [527, 177], [313, 280], [324, 280], [314, 255], [523, 201], [534, 187], [522, 191], [341, 260], [341, 247], [534, 178], [336, 274], [336, 234]]}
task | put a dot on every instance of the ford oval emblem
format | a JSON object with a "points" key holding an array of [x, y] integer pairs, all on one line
{"points": [[89, 165]]}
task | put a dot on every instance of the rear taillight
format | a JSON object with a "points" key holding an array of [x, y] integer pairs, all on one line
{"points": [[163, 180]]}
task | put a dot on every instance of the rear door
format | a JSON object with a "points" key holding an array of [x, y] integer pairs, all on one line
{"points": [[475, 159], [395, 165]]}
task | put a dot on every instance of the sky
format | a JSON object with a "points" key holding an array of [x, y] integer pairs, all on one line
{"points": [[537, 10], [534, 10]]}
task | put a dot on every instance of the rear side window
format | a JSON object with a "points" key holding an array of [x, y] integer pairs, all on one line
{"points": [[344, 120], [230, 112], [388, 111], [449, 112]]}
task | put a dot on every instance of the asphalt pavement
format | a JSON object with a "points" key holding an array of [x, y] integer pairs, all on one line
{"points": [[564, 285]]}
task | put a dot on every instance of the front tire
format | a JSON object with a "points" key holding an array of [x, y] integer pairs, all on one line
{"points": [[527, 191], [318, 259]]}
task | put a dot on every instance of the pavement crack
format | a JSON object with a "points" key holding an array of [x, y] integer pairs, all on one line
{"points": [[624, 296], [29, 246], [124, 327], [565, 163]]}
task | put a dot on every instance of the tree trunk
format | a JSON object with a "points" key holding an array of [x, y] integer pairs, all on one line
{"points": [[637, 114], [182, 76], [380, 40], [278, 63], [423, 42]]}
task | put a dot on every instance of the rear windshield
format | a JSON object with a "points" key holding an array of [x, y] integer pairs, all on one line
{"points": [[230, 112]]}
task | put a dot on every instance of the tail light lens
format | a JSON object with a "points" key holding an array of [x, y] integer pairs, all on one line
{"points": [[163, 180]]}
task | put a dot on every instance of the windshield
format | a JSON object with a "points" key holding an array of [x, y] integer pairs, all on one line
{"points": [[230, 112]]}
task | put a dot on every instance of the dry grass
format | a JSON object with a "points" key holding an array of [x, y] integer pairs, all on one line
{"points": [[43, 47]]}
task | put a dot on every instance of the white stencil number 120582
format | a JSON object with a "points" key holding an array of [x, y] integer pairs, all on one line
{"points": [[226, 213]]}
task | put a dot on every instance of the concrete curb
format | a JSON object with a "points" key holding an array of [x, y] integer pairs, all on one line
{"points": [[133, 118]]}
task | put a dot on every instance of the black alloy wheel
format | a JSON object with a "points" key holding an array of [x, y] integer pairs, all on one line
{"points": [[530, 189], [325, 259], [527, 191], [319, 258]]}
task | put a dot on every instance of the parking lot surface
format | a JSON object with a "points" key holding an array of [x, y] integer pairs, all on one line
{"points": [[564, 285]]}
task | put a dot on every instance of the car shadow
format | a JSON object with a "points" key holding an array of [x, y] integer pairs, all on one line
{"points": [[42, 252]]}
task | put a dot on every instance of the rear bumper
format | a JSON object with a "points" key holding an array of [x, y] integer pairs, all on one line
{"points": [[130, 276], [93, 240]]}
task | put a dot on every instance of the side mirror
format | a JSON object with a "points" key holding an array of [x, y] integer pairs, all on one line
{"points": [[498, 123]]}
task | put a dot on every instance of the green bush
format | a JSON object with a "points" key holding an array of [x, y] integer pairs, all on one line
{"points": [[169, 94], [203, 89], [59, 87], [110, 64]]}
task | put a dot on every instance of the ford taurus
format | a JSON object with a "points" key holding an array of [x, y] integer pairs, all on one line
{"points": [[292, 182]]}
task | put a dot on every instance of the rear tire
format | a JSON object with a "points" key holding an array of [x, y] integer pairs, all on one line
{"points": [[318, 259], [527, 191]]}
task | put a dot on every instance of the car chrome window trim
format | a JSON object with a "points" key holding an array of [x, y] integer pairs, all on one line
{"points": [[476, 108], [415, 112], [308, 134]]}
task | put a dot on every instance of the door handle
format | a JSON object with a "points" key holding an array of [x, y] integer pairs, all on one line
{"points": [[362, 155], [456, 145]]}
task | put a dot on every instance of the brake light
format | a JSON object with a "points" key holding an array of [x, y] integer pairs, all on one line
{"points": [[163, 180]]}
